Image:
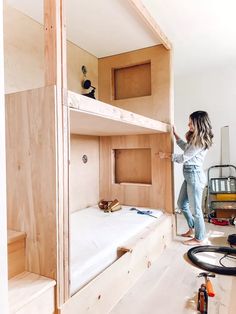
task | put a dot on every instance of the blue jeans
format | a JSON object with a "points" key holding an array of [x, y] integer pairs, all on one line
{"points": [[190, 199]]}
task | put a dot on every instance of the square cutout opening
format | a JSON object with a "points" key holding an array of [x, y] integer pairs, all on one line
{"points": [[132, 81], [133, 166]]}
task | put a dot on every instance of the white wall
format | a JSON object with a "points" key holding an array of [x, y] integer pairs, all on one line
{"points": [[214, 91], [3, 221]]}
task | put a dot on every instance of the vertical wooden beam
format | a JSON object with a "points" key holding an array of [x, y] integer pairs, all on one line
{"points": [[3, 206], [56, 74], [150, 22], [54, 41]]}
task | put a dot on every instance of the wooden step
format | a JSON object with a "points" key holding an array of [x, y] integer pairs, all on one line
{"points": [[16, 252], [31, 293]]}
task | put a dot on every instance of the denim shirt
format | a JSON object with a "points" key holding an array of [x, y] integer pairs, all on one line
{"points": [[192, 155]]}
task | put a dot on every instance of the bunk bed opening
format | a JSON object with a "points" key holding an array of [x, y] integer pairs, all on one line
{"points": [[106, 163]]}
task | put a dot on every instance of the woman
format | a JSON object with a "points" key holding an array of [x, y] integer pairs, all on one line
{"points": [[199, 140]]}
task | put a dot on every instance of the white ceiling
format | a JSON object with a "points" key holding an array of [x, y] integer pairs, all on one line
{"points": [[203, 32], [102, 27]]}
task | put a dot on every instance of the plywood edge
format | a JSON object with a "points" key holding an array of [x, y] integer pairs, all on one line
{"points": [[13, 236], [165, 219], [29, 90], [26, 287], [97, 108], [150, 22]]}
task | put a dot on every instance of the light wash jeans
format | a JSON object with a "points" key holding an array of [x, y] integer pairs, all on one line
{"points": [[190, 199]]}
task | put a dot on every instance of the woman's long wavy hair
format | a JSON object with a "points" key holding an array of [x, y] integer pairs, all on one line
{"points": [[202, 135]]}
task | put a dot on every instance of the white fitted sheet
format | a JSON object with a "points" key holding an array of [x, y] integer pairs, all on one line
{"points": [[95, 237]]}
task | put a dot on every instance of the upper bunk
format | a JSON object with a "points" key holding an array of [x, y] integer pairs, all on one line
{"points": [[93, 117], [126, 55]]}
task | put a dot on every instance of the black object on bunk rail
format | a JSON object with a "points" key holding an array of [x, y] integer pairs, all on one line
{"points": [[86, 84]]}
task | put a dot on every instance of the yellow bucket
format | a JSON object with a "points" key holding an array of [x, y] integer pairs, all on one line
{"points": [[226, 197]]}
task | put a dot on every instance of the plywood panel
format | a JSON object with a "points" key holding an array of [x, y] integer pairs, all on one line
{"points": [[133, 166], [84, 177], [76, 58], [31, 293], [31, 175], [24, 40], [157, 106], [159, 193], [16, 253], [133, 81], [3, 207]]}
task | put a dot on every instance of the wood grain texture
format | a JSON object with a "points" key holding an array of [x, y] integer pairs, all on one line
{"points": [[84, 177], [56, 73], [55, 43], [133, 166], [16, 253], [31, 175], [173, 277], [132, 81], [157, 106], [13, 236], [93, 117], [31, 293], [159, 193], [3, 208], [104, 291]]}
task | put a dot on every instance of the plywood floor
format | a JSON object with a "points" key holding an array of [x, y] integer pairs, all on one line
{"points": [[170, 286]]}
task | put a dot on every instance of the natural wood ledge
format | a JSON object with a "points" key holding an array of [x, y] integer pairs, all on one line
{"points": [[27, 287], [94, 117], [13, 236]]}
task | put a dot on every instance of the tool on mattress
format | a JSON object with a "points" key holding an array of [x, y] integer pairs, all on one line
{"points": [[109, 206], [143, 212]]}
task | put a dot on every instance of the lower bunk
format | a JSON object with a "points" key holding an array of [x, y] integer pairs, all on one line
{"points": [[109, 252]]}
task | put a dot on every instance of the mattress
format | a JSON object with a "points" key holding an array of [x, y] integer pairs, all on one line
{"points": [[95, 237]]}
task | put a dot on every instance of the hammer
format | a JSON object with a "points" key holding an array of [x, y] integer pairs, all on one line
{"points": [[208, 283]]}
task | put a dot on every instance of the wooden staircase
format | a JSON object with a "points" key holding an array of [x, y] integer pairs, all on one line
{"points": [[28, 292]]}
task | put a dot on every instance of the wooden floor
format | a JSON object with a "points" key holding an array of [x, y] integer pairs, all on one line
{"points": [[170, 286]]}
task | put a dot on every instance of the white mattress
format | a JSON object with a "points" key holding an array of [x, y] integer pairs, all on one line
{"points": [[95, 237]]}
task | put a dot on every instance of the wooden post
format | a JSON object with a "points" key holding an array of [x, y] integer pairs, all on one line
{"points": [[3, 206], [150, 22], [56, 74]]}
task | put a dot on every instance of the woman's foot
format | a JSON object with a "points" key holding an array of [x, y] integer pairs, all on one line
{"points": [[188, 234], [193, 241]]}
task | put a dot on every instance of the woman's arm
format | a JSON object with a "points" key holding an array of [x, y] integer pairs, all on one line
{"points": [[179, 141], [175, 134], [190, 152]]}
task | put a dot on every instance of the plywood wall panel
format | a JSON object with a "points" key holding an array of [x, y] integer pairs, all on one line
{"points": [[156, 195], [158, 105], [31, 175], [24, 41], [84, 177]]}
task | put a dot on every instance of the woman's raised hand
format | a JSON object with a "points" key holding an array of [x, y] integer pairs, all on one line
{"points": [[174, 132]]}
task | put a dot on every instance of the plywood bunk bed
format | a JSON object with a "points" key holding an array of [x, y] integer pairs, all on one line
{"points": [[67, 151], [119, 245], [132, 252]]}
